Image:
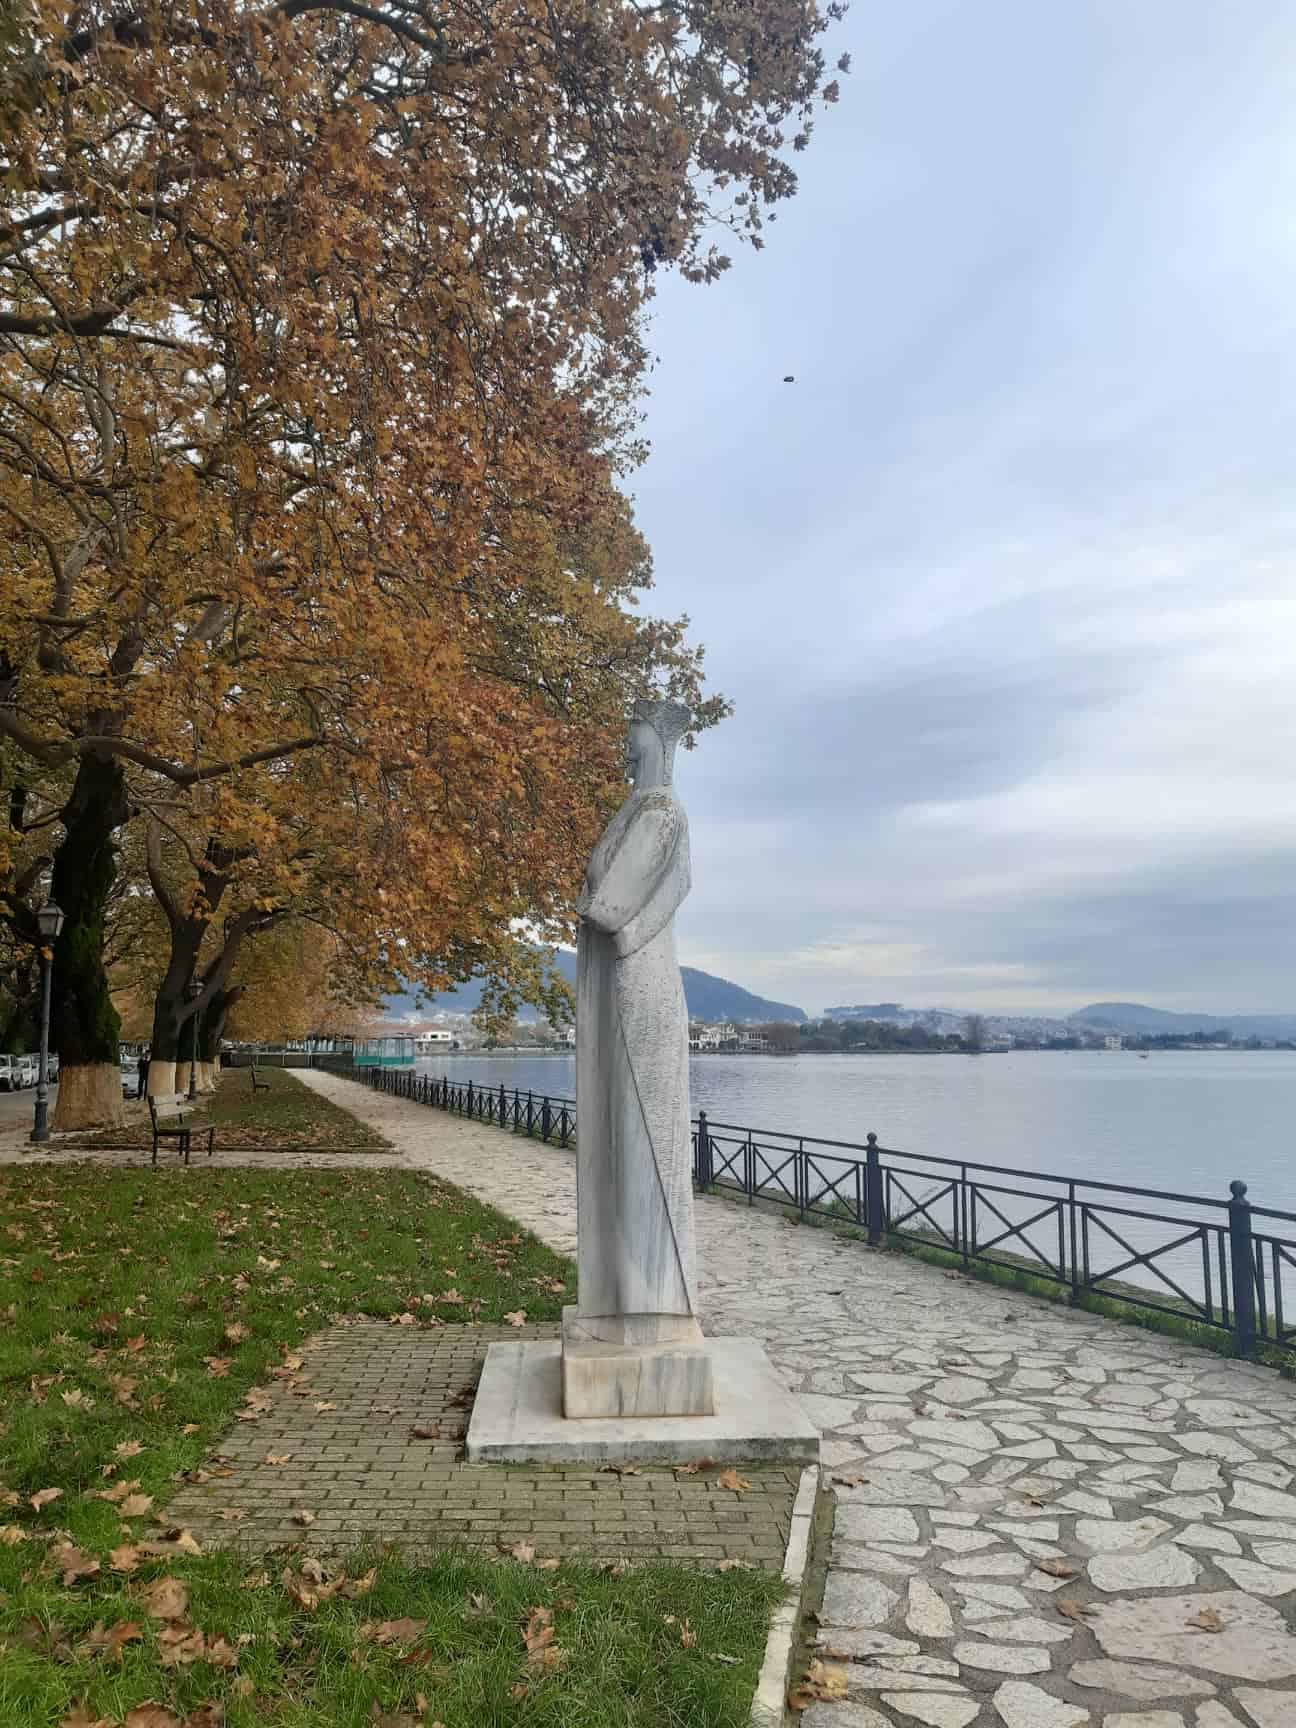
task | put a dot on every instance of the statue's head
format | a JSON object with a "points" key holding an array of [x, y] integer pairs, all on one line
{"points": [[656, 727]]}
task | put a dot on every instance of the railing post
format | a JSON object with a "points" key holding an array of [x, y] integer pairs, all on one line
{"points": [[544, 1118], [1243, 1258], [1075, 1249], [530, 1115], [470, 1100], [873, 1191], [703, 1151]]}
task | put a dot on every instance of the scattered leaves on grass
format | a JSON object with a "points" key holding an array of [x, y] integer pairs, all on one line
{"points": [[516, 1318], [127, 1449], [124, 1559], [152, 1715], [522, 1551], [719, 1656], [823, 1682], [1056, 1568], [731, 1479], [235, 1333], [176, 1540], [735, 1566], [1207, 1620], [81, 1718], [11, 1535], [135, 1505], [218, 1366], [45, 1497]]}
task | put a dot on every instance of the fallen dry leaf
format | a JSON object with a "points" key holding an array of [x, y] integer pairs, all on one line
{"points": [[719, 1656], [218, 1366], [538, 1636], [235, 1332], [516, 1318], [1207, 1620], [124, 1559], [324, 1404], [1073, 1610], [135, 1505], [731, 1479], [151, 1715], [277, 1458], [735, 1566], [45, 1497], [128, 1449], [1056, 1568], [822, 1683], [110, 1639], [391, 1631], [522, 1551], [619, 1469], [180, 1645], [166, 1599], [698, 1465], [303, 1516], [11, 1535], [81, 1718], [73, 1564]]}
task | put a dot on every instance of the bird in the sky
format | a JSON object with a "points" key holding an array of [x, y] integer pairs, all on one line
{"points": [[790, 378]]}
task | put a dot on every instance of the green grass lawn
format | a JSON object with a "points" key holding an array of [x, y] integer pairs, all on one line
{"points": [[289, 1117], [137, 1307]]}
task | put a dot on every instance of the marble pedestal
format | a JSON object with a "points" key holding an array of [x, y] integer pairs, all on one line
{"points": [[517, 1416], [633, 1365]]}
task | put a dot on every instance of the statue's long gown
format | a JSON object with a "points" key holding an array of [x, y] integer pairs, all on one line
{"points": [[634, 1193]]}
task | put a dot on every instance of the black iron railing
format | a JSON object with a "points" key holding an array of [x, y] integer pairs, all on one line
{"points": [[1221, 1263]]}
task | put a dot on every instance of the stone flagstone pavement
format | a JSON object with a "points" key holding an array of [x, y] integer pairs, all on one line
{"points": [[1043, 1519]]}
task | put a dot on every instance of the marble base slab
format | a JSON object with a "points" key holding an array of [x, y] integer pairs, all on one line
{"points": [[634, 1372], [517, 1417]]}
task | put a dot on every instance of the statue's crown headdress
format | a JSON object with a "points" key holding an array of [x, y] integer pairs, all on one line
{"points": [[670, 720]]}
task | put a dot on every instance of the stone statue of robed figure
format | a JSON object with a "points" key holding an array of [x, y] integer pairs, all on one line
{"points": [[632, 1344]]}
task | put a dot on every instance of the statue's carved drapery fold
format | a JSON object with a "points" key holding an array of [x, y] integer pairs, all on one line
{"points": [[637, 1268]]}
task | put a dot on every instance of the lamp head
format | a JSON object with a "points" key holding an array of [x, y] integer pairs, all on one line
{"points": [[49, 920]]}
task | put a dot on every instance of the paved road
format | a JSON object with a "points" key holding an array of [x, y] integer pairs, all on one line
{"points": [[18, 1107], [1044, 1520]]}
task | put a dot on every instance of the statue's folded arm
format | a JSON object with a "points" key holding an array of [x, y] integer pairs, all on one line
{"points": [[637, 868]]}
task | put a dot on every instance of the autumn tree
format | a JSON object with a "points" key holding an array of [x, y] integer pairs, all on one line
{"points": [[318, 354]]}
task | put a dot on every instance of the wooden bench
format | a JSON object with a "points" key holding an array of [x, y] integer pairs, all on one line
{"points": [[258, 1084], [168, 1113]]}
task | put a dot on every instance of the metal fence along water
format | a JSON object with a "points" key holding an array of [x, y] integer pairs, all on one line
{"points": [[1221, 1263]]}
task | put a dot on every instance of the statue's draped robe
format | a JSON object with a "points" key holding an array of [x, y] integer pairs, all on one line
{"points": [[634, 1184]]}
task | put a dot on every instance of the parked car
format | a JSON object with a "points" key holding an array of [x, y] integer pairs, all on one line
{"points": [[10, 1073], [130, 1077], [51, 1071]]}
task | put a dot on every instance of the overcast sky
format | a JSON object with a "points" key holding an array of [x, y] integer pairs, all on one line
{"points": [[1001, 586]]}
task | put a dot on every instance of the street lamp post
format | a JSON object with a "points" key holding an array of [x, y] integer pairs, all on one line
{"points": [[195, 991], [49, 921]]}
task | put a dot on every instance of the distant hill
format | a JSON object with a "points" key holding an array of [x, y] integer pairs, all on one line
{"points": [[1135, 1017], [708, 998]]}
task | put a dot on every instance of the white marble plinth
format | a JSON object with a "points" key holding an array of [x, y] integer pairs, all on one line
{"points": [[517, 1417], [629, 1365]]}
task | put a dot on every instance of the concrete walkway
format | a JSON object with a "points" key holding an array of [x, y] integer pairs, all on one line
{"points": [[1044, 1519]]}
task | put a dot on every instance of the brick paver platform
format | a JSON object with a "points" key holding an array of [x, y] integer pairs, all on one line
{"points": [[343, 1424]]}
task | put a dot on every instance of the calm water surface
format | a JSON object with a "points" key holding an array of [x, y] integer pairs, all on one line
{"points": [[1189, 1121]]}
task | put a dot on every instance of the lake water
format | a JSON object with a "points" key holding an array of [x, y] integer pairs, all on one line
{"points": [[1188, 1121]]}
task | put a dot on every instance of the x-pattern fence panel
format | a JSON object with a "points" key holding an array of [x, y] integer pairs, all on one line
{"points": [[1221, 1263]]}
